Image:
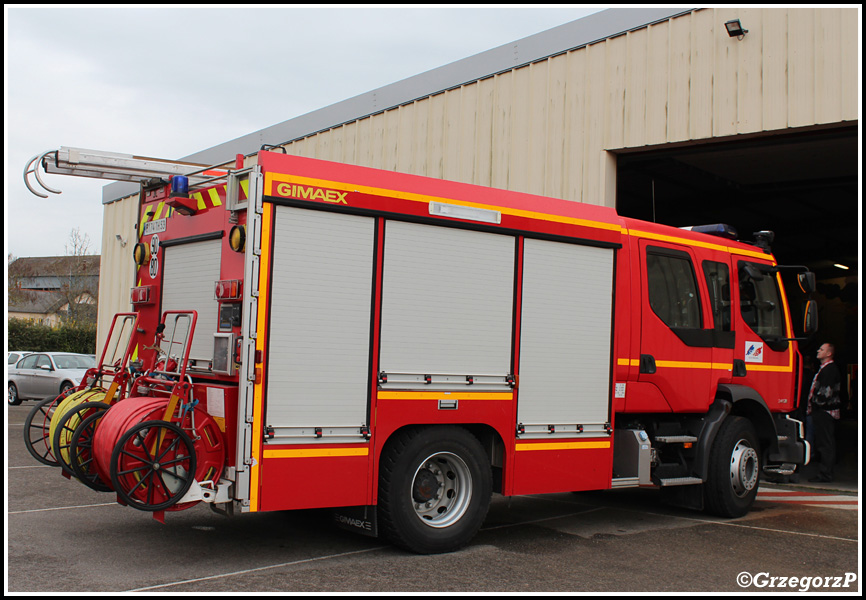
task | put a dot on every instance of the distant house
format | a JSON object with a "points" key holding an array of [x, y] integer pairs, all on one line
{"points": [[48, 290]]}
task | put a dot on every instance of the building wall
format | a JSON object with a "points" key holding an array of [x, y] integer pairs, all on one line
{"points": [[546, 127], [117, 269], [51, 320], [551, 127]]}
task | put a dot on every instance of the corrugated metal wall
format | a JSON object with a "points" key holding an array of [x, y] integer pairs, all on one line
{"points": [[548, 127], [117, 269], [545, 127]]}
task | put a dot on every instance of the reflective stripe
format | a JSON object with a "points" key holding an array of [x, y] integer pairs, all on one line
{"points": [[316, 453], [562, 446], [445, 396]]}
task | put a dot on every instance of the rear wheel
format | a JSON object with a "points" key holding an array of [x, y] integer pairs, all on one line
{"points": [[735, 466], [434, 489]]}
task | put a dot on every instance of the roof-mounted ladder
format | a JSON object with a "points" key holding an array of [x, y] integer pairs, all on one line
{"points": [[114, 166]]}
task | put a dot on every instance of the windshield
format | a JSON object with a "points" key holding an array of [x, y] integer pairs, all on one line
{"points": [[74, 361]]}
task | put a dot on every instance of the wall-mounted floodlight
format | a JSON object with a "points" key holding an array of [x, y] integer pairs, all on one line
{"points": [[735, 29]]}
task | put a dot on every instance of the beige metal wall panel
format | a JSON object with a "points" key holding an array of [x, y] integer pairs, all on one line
{"points": [[775, 74], [116, 269], [828, 68], [657, 66], [801, 67], [850, 38], [701, 75]]}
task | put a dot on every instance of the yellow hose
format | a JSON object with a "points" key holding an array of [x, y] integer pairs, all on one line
{"points": [[67, 404]]}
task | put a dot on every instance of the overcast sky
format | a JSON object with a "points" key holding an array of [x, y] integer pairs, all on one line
{"points": [[170, 81]]}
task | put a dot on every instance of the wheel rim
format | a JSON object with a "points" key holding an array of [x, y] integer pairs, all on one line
{"points": [[441, 490], [153, 465], [13, 395], [744, 468]]}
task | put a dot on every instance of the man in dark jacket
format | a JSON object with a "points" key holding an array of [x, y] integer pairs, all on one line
{"points": [[824, 409]]}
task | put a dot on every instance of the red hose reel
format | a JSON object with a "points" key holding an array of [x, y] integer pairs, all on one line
{"points": [[152, 463]]}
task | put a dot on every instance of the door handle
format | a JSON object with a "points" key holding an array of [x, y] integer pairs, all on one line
{"points": [[647, 364]]}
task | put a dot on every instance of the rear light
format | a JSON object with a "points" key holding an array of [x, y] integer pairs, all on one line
{"points": [[238, 238], [141, 254], [141, 295], [227, 290]]}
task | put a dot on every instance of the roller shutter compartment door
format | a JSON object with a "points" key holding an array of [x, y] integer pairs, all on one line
{"points": [[447, 302], [318, 372], [565, 336], [188, 284]]}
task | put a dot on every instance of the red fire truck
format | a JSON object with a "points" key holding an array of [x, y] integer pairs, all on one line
{"points": [[312, 334]]}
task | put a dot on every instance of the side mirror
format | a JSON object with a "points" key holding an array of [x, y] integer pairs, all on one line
{"points": [[810, 320], [807, 282]]}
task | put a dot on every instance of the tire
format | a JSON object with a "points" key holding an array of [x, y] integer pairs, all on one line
{"points": [[36, 431], [13, 398], [434, 489], [734, 470], [65, 387]]}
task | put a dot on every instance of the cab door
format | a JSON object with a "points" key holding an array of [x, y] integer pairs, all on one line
{"points": [[676, 347], [763, 357]]}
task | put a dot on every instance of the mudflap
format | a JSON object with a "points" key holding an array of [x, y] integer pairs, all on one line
{"points": [[684, 496], [360, 519]]}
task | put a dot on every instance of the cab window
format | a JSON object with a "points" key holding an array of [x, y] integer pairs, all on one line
{"points": [[718, 279], [673, 289], [760, 300]]}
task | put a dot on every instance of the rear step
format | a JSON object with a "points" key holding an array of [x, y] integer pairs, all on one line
{"points": [[783, 469], [672, 481], [675, 439]]}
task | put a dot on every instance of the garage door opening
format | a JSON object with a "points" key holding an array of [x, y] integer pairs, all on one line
{"points": [[803, 186]]}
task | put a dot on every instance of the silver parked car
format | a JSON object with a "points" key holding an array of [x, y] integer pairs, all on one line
{"points": [[46, 374]]}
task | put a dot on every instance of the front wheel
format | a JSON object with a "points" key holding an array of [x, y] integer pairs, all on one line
{"points": [[13, 398], [735, 466], [434, 489]]}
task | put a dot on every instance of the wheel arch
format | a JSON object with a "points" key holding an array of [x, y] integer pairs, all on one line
{"points": [[734, 400], [488, 436], [747, 402]]}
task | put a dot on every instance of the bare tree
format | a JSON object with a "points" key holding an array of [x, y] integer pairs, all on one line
{"points": [[78, 244], [79, 289]]}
